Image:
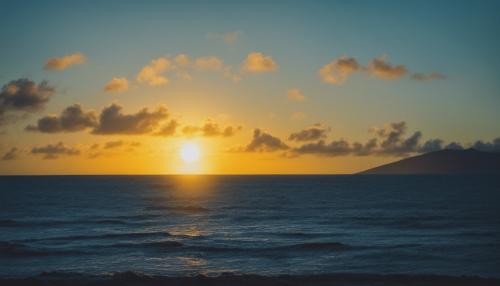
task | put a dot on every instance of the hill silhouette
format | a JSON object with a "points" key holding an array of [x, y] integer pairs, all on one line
{"points": [[469, 161]]}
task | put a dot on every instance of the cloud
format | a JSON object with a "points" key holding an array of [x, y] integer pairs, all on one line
{"points": [[264, 142], [209, 63], [394, 142], [454, 146], [209, 128], [168, 129], [152, 73], [337, 71], [380, 68], [294, 94], [113, 121], [23, 95], [366, 149], [53, 151], [315, 132], [113, 144], [62, 63], [426, 77], [493, 146], [182, 60], [229, 38], [72, 119], [334, 148], [298, 115], [431, 146], [12, 154], [258, 63], [117, 84]]}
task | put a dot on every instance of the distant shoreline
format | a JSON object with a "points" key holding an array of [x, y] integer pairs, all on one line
{"points": [[361, 279]]}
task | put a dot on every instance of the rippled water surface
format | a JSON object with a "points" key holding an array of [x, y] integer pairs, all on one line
{"points": [[186, 225]]}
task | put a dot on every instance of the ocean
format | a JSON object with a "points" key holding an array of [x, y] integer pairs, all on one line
{"points": [[265, 225]]}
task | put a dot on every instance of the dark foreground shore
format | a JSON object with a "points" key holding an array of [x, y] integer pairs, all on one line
{"points": [[135, 279]]}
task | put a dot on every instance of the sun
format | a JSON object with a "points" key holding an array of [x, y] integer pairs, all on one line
{"points": [[190, 152]]}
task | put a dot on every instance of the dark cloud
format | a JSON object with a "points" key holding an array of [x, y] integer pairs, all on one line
{"points": [[366, 149], [113, 121], [393, 141], [431, 146], [113, 144], [53, 151], [210, 129], [264, 142], [72, 119], [380, 68], [22, 96], [12, 154], [454, 146], [334, 148], [315, 132], [168, 129], [493, 146]]}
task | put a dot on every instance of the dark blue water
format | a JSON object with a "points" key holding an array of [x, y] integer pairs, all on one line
{"points": [[187, 225]]}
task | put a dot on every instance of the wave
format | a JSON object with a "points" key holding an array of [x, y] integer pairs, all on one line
{"points": [[136, 278], [56, 222], [101, 236], [168, 244], [10, 249], [317, 246]]}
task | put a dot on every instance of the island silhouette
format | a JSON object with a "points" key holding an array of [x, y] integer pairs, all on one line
{"points": [[448, 161]]}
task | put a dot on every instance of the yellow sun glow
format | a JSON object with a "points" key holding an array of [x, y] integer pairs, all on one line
{"points": [[190, 152]]}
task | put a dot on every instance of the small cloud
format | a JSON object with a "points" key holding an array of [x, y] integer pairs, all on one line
{"points": [[152, 73], [298, 115], [427, 77], [53, 151], [258, 63], [117, 84], [113, 121], [209, 63], [12, 154], [210, 129], [338, 70], [380, 68], [113, 144], [72, 119], [315, 132], [294, 94], [265, 142], [62, 63], [23, 95], [229, 38]]}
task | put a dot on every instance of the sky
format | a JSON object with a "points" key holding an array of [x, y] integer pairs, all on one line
{"points": [[258, 87]]}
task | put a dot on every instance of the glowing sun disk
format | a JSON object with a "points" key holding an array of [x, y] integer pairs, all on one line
{"points": [[190, 152]]}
